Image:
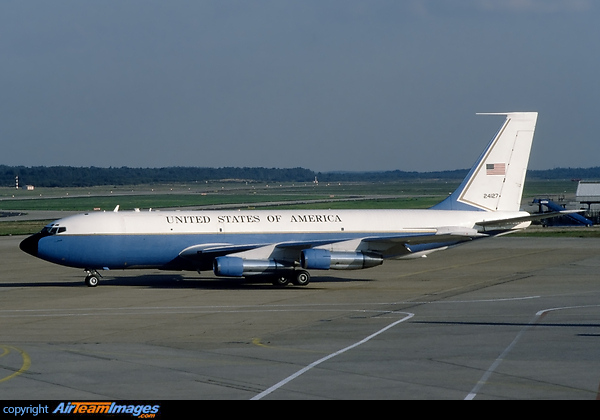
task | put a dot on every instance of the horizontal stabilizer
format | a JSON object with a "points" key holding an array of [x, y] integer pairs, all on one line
{"points": [[529, 218]]}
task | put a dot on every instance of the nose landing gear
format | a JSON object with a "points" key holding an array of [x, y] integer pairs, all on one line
{"points": [[93, 278]]}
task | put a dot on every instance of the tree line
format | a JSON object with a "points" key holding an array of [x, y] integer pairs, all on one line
{"points": [[68, 176]]}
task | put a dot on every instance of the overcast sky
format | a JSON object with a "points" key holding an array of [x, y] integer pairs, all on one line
{"points": [[323, 84]]}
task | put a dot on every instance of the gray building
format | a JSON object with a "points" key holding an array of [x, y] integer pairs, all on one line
{"points": [[588, 192]]}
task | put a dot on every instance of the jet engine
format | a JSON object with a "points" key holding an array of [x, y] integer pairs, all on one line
{"points": [[322, 259], [238, 267]]}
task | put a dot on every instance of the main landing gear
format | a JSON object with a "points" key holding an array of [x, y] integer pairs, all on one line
{"points": [[298, 278], [93, 278]]}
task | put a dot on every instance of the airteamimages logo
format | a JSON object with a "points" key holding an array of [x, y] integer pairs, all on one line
{"points": [[142, 411]]}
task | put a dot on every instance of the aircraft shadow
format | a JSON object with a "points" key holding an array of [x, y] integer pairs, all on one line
{"points": [[514, 324], [180, 281]]}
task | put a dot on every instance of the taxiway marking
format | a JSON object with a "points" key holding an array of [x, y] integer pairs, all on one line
{"points": [[26, 362], [536, 319], [332, 355]]}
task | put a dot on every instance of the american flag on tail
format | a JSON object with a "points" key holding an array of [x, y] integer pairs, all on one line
{"points": [[495, 169]]}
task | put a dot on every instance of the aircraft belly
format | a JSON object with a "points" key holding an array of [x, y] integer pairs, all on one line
{"points": [[110, 251], [159, 251]]}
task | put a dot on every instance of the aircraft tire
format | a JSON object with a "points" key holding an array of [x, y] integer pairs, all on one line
{"points": [[302, 278], [92, 281], [281, 281]]}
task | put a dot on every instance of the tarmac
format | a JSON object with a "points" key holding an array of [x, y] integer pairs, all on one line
{"points": [[503, 318]]}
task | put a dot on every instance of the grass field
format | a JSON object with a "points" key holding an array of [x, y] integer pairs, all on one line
{"points": [[397, 195], [26, 227]]}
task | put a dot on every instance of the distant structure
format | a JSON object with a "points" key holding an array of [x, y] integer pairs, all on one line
{"points": [[587, 201], [588, 192], [27, 187]]}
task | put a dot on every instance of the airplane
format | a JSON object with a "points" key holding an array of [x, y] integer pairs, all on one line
{"points": [[283, 245]]}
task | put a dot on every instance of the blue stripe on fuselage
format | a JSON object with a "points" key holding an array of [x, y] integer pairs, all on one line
{"points": [[159, 251]]}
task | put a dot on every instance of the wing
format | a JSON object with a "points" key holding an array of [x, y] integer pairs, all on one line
{"points": [[387, 246], [409, 245]]}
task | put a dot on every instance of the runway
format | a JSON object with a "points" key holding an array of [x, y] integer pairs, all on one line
{"points": [[504, 318]]}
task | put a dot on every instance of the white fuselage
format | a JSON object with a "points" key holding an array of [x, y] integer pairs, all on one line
{"points": [[264, 222], [159, 239]]}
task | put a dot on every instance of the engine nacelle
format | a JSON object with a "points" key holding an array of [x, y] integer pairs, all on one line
{"points": [[238, 267], [322, 259]]}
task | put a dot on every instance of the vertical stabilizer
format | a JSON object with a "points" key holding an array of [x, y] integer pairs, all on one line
{"points": [[495, 183]]}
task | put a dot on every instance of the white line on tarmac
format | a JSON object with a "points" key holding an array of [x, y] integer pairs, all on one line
{"points": [[332, 355], [538, 316]]}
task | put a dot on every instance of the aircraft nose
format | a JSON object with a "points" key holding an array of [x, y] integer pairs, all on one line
{"points": [[30, 244]]}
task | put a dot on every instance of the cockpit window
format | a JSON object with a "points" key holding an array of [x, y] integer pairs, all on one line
{"points": [[53, 229]]}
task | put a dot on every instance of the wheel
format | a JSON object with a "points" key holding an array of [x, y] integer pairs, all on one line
{"points": [[302, 278], [281, 281], [92, 280]]}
